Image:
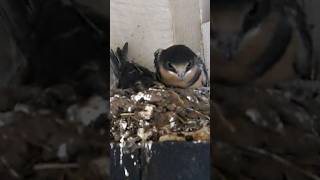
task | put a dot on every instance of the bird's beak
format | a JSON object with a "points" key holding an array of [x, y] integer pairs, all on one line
{"points": [[181, 76]]}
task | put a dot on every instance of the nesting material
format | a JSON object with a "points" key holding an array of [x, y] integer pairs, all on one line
{"points": [[160, 114]]}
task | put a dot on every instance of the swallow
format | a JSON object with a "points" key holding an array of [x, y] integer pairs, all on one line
{"points": [[260, 42], [178, 66], [128, 74]]}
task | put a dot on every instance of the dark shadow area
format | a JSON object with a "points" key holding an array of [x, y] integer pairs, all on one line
{"points": [[53, 89], [266, 120]]}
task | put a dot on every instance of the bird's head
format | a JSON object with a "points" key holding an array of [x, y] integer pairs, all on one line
{"points": [[234, 20], [177, 61]]}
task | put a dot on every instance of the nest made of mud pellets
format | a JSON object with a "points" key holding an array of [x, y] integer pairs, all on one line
{"points": [[160, 114], [147, 125]]}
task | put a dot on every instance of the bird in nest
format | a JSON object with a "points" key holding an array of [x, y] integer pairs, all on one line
{"points": [[177, 66]]}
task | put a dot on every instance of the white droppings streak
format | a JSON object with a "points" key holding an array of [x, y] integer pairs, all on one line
{"points": [[123, 124], [126, 173], [140, 95], [114, 97], [148, 151], [172, 122], [143, 135], [147, 113], [121, 149]]}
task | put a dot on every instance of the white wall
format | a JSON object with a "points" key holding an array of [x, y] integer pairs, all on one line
{"points": [[148, 25], [205, 28], [205, 10]]}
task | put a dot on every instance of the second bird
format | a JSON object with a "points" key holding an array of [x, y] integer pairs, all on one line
{"points": [[259, 41]]}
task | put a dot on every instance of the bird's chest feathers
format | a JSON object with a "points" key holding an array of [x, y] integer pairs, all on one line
{"points": [[170, 78], [255, 42], [252, 48]]}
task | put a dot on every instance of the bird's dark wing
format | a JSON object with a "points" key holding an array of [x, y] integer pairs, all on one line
{"points": [[306, 65], [282, 37], [203, 68], [156, 62], [123, 53], [130, 74], [115, 63]]}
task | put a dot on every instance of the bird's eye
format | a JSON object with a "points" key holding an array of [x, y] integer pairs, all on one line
{"points": [[170, 67], [189, 66]]}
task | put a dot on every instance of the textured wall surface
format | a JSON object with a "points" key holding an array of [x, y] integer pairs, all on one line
{"points": [[205, 10], [206, 43], [186, 18], [146, 25]]}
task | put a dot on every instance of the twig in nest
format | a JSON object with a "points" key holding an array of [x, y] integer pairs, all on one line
{"points": [[181, 119], [45, 166], [178, 97], [127, 114], [199, 113]]}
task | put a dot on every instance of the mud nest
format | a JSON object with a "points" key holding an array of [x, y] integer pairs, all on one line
{"points": [[160, 114]]}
